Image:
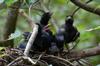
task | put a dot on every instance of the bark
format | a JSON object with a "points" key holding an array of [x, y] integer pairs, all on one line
{"points": [[10, 25], [76, 55], [86, 7]]}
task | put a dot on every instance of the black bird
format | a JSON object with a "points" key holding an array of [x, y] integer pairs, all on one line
{"points": [[45, 18], [71, 33], [66, 34], [42, 41], [59, 38], [26, 35], [53, 45]]}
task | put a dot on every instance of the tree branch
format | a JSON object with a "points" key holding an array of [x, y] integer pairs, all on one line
{"points": [[29, 20], [86, 7], [58, 59], [33, 35], [31, 40], [76, 55], [10, 25]]}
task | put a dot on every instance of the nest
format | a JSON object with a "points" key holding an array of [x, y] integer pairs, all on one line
{"points": [[15, 57]]}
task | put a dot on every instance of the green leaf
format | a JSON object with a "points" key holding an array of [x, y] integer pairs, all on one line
{"points": [[9, 2], [15, 35], [2, 48], [60, 1]]}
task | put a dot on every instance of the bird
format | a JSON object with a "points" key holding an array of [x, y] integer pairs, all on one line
{"points": [[45, 18], [71, 33], [66, 34], [59, 38], [53, 49], [43, 39], [22, 44]]}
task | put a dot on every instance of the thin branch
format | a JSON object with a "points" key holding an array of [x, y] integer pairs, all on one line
{"points": [[21, 58], [86, 62], [16, 60], [86, 7], [29, 20], [31, 40], [79, 8], [33, 35], [58, 59], [30, 7], [40, 56]]}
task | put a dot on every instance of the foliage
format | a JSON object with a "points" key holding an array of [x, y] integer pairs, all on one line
{"points": [[87, 23]]}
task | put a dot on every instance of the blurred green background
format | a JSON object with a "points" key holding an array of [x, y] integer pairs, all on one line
{"points": [[87, 23]]}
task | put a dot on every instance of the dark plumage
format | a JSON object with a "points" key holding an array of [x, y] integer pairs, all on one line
{"points": [[45, 18], [71, 32], [42, 42], [26, 35], [53, 44], [59, 37], [46, 41], [43, 39], [66, 34]]}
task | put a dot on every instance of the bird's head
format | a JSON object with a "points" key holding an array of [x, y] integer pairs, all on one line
{"points": [[45, 18], [69, 20]]}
